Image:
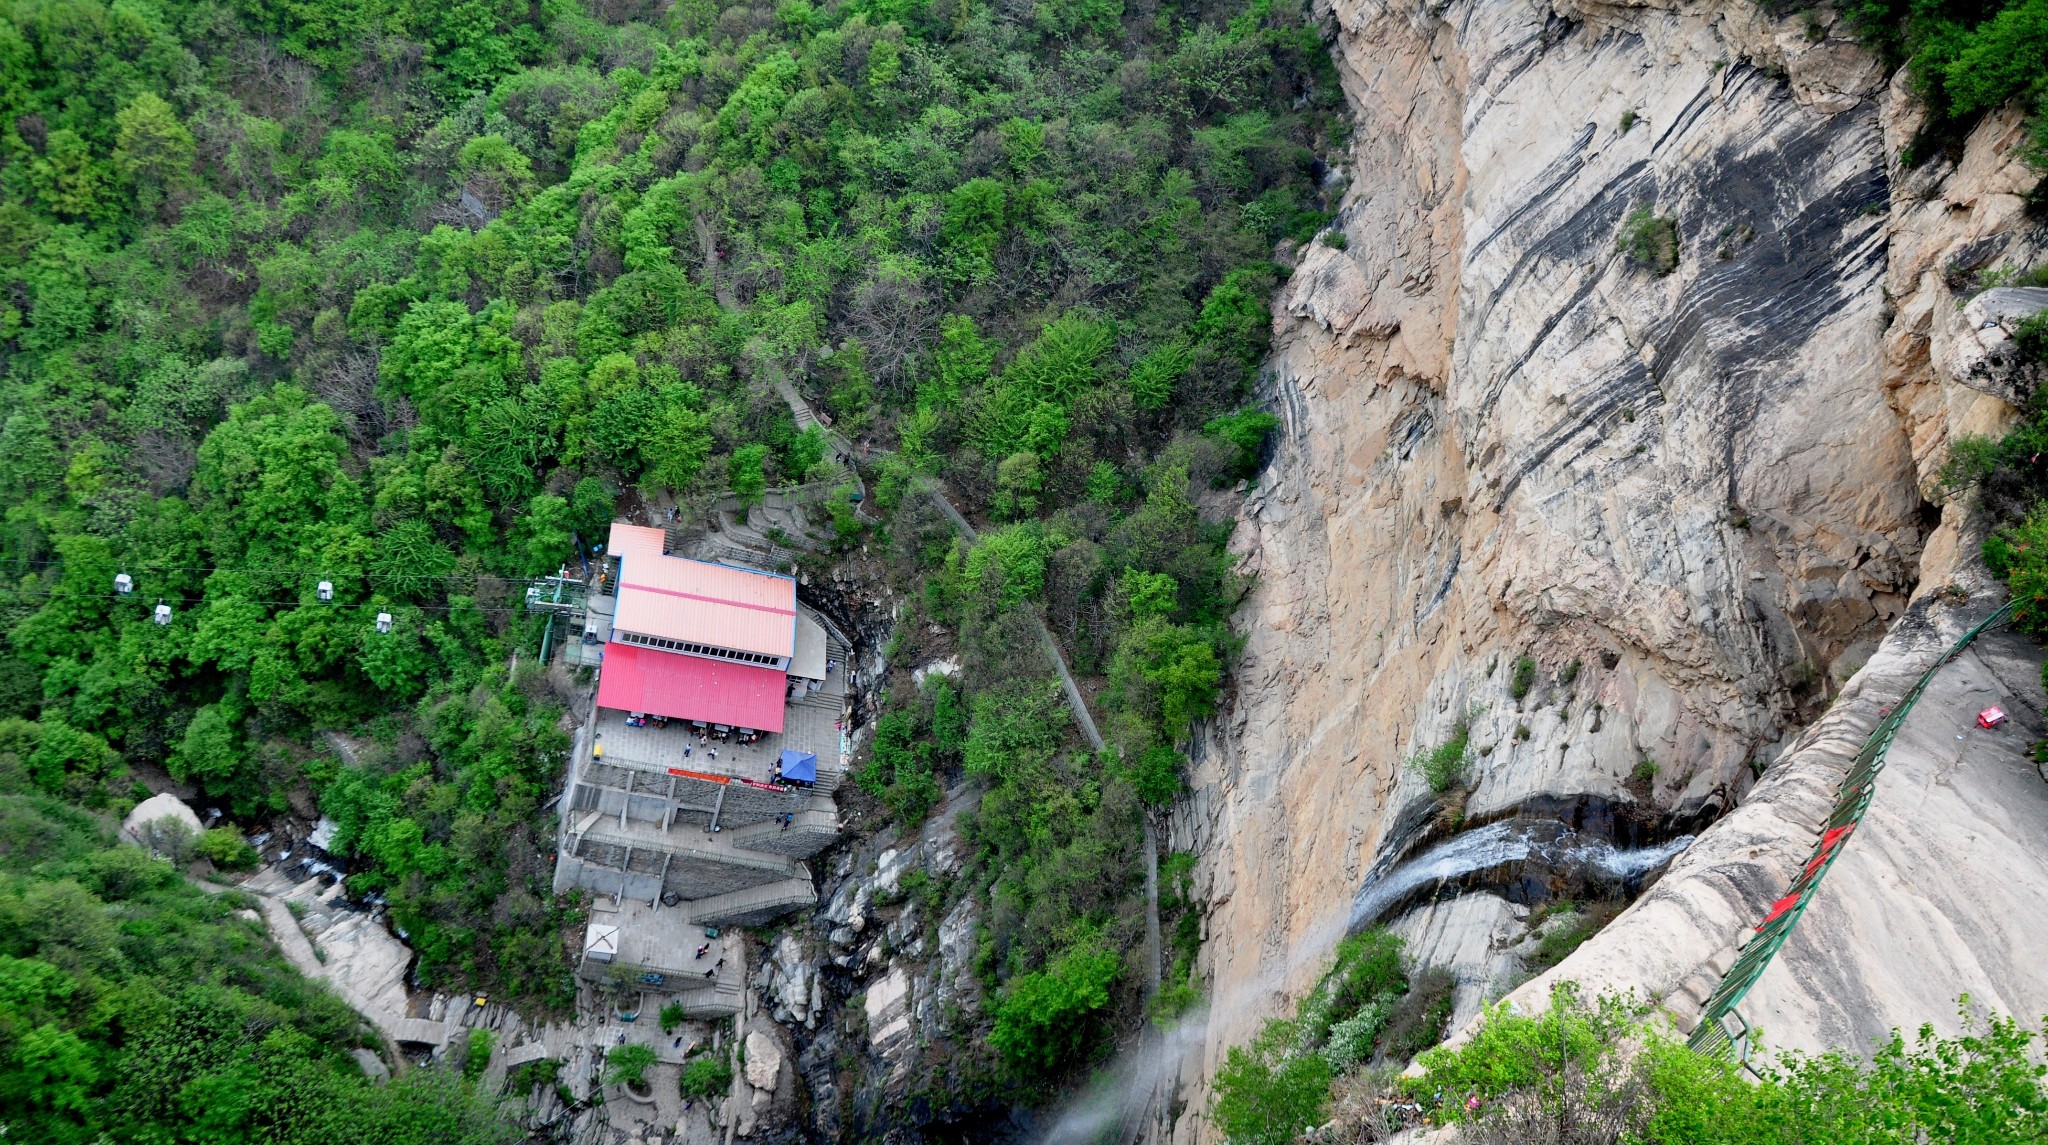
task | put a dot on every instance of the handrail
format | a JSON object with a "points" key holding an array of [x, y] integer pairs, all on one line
{"points": [[1859, 786]]}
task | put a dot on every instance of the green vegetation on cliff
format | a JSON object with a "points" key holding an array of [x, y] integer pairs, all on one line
{"points": [[1586, 1072], [413, 299], [1965, 58]]}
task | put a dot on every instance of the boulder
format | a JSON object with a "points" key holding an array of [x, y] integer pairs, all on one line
{"points": [[1981, 351], [764, 1060], [144, 826]]}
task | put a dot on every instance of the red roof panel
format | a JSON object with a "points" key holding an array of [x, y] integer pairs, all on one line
{"points": [[671, 684], [704, 603]]}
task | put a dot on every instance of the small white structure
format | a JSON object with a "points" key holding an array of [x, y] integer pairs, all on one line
{"points": [[383, 622], [601, 942], [325, 591], [162, 615], [124, 584]]}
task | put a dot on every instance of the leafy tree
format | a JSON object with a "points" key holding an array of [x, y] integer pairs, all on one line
{"points": [[749, 473], [225, 848], [1045, 1018], [1244, 432], [1269, 1092], [708, 1076], [899, 770], [628, 1064], [1014, 728], [152, 150], [548, 529]]}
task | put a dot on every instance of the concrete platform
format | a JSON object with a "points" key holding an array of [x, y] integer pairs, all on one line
{"points": [[657, 950], [811, 725]]}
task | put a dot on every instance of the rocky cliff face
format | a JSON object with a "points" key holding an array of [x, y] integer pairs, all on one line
{"points": [[1693, 487]]}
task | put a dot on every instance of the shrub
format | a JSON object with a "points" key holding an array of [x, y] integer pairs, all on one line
{"points": [[1015, 727], [168, 838], [1365, 972], [1156, 774], [899, 770], [1046, 1017], [706, 1076], [225, 848], [1523, 679], [1245, 433], [1422, 1017], [1352, 1040], [2019, 553], [628, 1064], [1268, 1092], [1573, 927], [1177, 994], [1598, 1071], [527, 1076], [671, 1016], [1443, 767], [1646, 770], [476, 1056], [1649, 241]]}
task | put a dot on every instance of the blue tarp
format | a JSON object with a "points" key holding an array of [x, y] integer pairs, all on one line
{"points": [[800, 765]]}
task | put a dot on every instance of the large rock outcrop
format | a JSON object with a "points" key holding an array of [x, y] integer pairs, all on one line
{"points": [[1942, 892], [1696, 495]]}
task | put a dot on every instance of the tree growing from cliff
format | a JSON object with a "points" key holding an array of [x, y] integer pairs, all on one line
{"points": [[1269, 1091], [1045, 1017]]}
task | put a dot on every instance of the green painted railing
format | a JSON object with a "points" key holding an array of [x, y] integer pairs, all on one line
{"points": [[1712, 1035]]}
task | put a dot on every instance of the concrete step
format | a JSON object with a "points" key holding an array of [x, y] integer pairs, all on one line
{"points": [[753, 905], [808, 833], [712, 1000]]}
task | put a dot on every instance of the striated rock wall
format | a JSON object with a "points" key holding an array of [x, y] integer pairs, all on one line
{"points": [[1696, 500], [1943, 890]]}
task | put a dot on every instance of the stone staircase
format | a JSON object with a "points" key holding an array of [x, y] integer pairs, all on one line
{"points": [[753, 905], [808, 832], [718, 1000]]}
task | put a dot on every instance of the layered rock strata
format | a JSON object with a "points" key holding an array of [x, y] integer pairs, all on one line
{"points": [[1629, 366]]}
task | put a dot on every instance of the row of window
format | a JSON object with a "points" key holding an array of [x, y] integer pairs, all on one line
{"points": [[697, 649]]}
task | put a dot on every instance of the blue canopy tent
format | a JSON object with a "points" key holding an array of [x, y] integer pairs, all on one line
{"points": [[799, 766]]}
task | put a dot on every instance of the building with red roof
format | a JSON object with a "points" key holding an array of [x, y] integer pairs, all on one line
{"points": [[705, 776]]}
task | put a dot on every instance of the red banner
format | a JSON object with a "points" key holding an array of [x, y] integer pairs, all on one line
{"points": [[700, 775]]}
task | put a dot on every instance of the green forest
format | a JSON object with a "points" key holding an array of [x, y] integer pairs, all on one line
{"points": [[135, 1006], [414, 300], [411, 300]]}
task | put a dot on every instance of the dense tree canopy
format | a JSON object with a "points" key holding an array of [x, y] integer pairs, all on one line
{"points": [[407, 299]]}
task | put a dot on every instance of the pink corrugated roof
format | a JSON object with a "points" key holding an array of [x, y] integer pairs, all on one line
{"points": [[707, 603], [634, 540], [671, 684]]}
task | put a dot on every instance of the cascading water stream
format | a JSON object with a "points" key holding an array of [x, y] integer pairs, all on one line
{"points": [[1523, 860], [1526, 858]]}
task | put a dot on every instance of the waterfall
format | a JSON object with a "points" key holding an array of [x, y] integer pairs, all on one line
{"points": [[1527, 860]]}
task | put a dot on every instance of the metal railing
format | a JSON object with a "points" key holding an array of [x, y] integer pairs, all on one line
{"points": [[1713, 1035]]}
